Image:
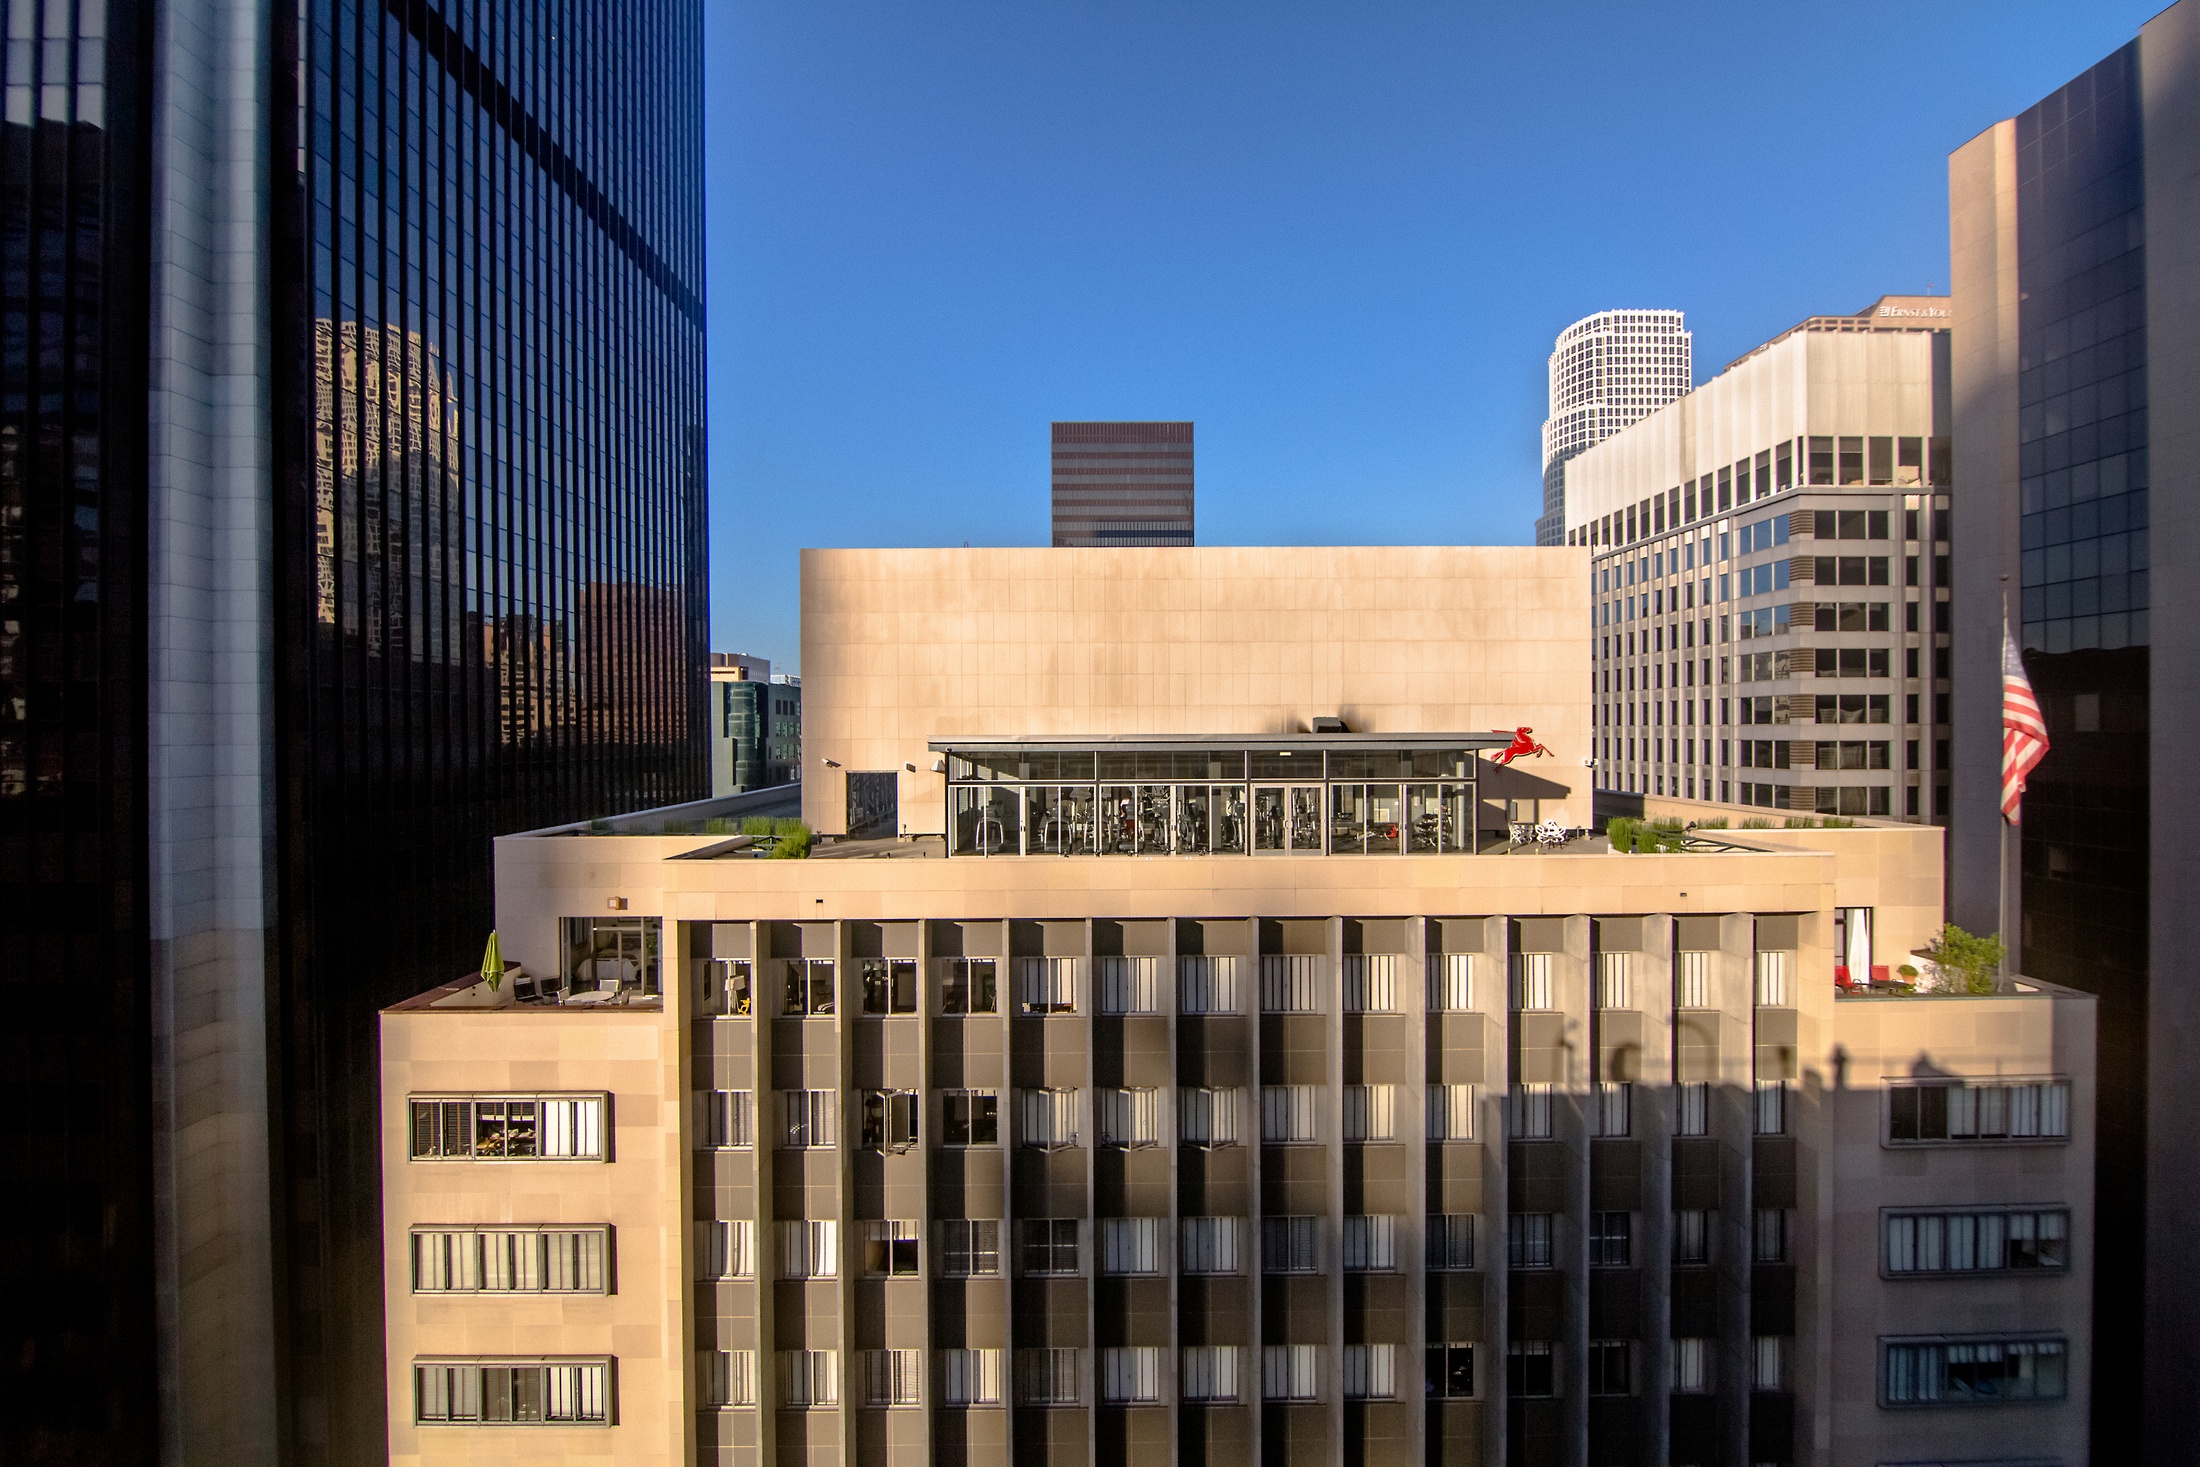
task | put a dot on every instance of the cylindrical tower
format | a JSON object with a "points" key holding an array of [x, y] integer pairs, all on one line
{"points": [[1607, 371]]}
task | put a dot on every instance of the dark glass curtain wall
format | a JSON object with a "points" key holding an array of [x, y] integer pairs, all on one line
{"points": [[76, 1285], [489, 501], [2084, 486]]}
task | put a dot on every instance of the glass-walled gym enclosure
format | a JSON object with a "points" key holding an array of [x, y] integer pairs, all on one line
{"points": [[1334, 796]]}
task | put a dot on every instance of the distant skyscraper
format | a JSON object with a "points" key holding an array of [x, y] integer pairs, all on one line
{"points": [[1607, 371], [1122, 484], [351, 515]]}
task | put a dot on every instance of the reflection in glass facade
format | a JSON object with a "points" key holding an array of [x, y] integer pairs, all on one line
{"points": [[484, 605], [77, 1327], [2083, 434], [1056, 801], [2083, 382], [489, 472]]}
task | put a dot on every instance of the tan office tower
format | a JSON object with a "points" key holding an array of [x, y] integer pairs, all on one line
{"points": [[1771, 572], [1122, 484], [1207, 1078]]}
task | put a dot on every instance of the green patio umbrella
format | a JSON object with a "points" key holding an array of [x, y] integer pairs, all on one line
{"points": [[492, 963]]}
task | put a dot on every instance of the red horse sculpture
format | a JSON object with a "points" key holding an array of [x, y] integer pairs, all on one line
{"points": [[1523, 744]]}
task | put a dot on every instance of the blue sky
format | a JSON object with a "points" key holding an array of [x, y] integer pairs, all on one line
{"points": [[1338, 237]]}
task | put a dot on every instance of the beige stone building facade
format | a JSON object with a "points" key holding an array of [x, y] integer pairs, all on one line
{"points": [[1145, 1136], [1770, 575]]}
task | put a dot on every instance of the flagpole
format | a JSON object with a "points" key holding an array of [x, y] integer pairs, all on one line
{"points": [[2001, 872]]}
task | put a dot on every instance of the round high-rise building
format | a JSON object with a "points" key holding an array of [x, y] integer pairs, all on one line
{"points": [[1607, 371]]}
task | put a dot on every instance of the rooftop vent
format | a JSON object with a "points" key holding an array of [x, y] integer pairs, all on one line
{"points": [[1330, 726]]}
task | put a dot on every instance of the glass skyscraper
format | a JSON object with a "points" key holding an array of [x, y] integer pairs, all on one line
{"points": [[2076, 366], [351, 514]]}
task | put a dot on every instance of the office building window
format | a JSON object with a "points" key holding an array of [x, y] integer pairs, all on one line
{"points": [[967, 986], [1129, 1117], [1612, 1108], [728, 989], [1691, 1235], [1530, 989], [1979, 1372], [1209, 1245], [811, 1119], [1451, 1112], [1769, 1235], [1130, 1375], [1768, 1363], [729, 1249], [1451, 1240], [508, 1128], [1370, 1113], [729, 1378], [973, 1118], [1451, 1372], [1049, 1118], [1288, 1115], [889, 985], [1130, 1245], [1771, 1101], [1370, 1243], [1451, 982], [1291, 1244], [809, 987], [1528, 1112], [728, 1119], [1129, 985], [1292, 984], [491, 1392], [1207, 1117], [1050, 1377], [893, 1377], [1991, 1240], [1529, 1236], [1047, 985], [1370, 1372], [890, 1119], [2025, 1110], [610, 954], [1611, 1239], [1692, 980], [970, 1377], [1611, 1368], [809, 1249], [1370, 983], [890, 1247], [1531, 1369], [1691, 1366], [1050, 1246], [1615, 975], [1772, 979], [1207, 985], [1692, 1109], [809, 1378], [509, 1260], [970, 1247], [1209, 1373], [1291, 1372]]}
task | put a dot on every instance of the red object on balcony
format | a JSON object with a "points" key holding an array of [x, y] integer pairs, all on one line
{"points": [[1881, 973], [1841, 975]]}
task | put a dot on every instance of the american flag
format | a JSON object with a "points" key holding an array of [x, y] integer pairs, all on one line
{"points": [[2023, 730]]}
